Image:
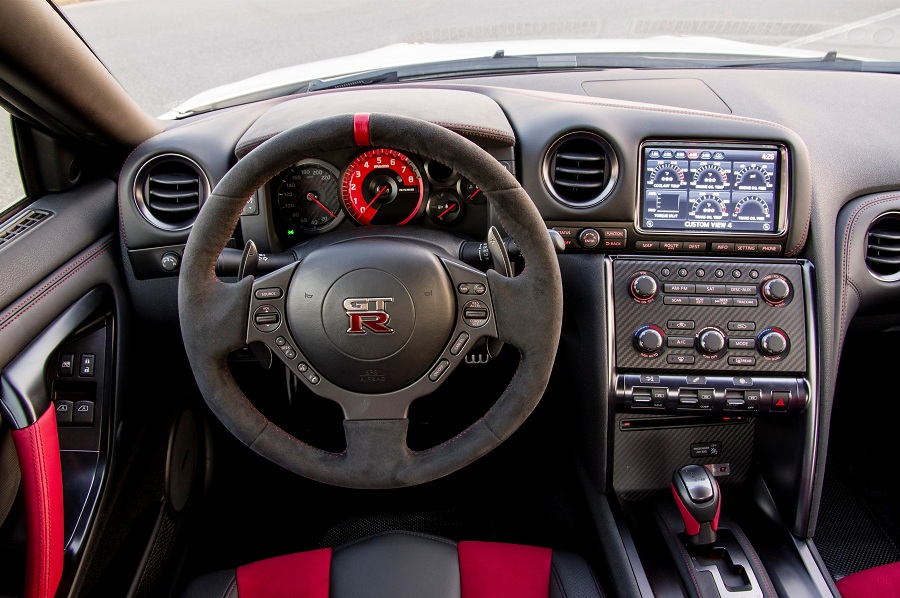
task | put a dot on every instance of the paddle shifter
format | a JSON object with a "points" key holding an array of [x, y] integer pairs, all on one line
{"points": [[697, 495]]}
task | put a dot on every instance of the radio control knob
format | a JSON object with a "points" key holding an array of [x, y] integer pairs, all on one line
{"points": [[772, 342], [643, 287], [648, 340], [711, 341], [775, 291]]}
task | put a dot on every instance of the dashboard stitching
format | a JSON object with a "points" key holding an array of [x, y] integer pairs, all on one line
{"points": [[848, 248], [50, 290], [93, 251], [684, 556]]}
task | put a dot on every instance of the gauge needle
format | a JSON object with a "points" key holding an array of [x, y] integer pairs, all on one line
{"points": [[449, 209], [377, 195], [311, 197], [477, 191]]}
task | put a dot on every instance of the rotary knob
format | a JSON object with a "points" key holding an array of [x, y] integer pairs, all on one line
{"points": [[643, 287], [648, 340], [711, 341], [589, 238], [772, 342], [776, 291]]}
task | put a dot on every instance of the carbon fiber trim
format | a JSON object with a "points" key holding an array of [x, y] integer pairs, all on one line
{"points": [[630, 315], [643, 460]]}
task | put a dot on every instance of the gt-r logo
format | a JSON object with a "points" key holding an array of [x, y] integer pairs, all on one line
{"points": [[368, 315]]}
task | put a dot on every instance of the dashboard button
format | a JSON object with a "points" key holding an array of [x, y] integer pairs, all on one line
{"points": [[614, 233], [567, 232], [678, 287], [723, 301], [742, 381], [770, 248], [680, 359], [734, 360], [659, 394], [711, 289], [781, 400], [680, 324], [705, 394], [677, 300], [723, 247], [649, 379], [670, 245], [740, 289], [589, 238], [742, 326], [613, 243], [746, 302], [682, 272], [646, 245], [694, 246], [696, 379], [66, 364], [701, 300], [680, 342], [742, 343], [745, 247]]}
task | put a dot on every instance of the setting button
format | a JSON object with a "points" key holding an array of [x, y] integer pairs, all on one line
{"points": [[439, 370], [710, 289], [746, 301], [680, 342], [742, 343], [459, 343], [741, 289], [680, 324], [742, 326], [675, 287], [475, 313], [268, 293], [741, 360], [680, 359]]}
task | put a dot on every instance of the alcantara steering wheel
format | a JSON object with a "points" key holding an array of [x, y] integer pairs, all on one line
{"points": [[375, 322]]}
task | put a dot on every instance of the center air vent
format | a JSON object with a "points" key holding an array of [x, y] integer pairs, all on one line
{"points": [[580, 169], [883, 249], [169, 190]]}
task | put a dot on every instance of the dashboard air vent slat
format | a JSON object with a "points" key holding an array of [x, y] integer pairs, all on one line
{"points": [[883, 247], [580, 169], [20, 224], [169, 190]]}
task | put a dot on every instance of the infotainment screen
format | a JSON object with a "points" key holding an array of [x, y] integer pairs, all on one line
{"points": [[711, 188]]}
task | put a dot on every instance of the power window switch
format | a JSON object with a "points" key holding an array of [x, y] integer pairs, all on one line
{"points": [[84, 413], [86, 369], [66, 364], [64, 412]]}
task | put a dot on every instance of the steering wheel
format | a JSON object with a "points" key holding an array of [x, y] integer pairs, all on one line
{"points": [[374, 322]]}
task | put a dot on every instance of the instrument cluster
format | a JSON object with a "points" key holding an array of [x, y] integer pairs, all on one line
{"points": [[379, 186]]}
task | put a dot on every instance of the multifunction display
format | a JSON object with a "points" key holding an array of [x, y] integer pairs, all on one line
{"points": [[710, 188]]}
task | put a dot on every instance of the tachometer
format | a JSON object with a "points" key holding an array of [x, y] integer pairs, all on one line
{"points": [[307, 200], [382, 186]]}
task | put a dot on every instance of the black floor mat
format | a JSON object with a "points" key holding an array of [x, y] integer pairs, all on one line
{"points": [[850, 537]]}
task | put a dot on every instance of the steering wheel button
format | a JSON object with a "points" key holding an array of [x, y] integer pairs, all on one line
{"points": [[302, 367], [266, 318], [290, 353], [280, 341], [269, 293], [459, 343], [475, 313], [479, 289], [313, 379], [464, 288], [439, 370]]}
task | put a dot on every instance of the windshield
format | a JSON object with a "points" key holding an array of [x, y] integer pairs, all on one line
{"points": [[166, 51]]}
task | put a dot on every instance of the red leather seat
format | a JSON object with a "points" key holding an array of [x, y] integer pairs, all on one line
{"points": [[407, 565], [877, 582]]}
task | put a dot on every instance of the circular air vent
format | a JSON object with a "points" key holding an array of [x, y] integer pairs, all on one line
{"points": [[580, 169], [883, 247], [169, 190]]}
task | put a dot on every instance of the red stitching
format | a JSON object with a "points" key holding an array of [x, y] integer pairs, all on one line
{"points": [[68, 276], [62, 274]]}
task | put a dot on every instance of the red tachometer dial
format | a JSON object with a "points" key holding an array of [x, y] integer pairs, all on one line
{"points": [[382, 186]]}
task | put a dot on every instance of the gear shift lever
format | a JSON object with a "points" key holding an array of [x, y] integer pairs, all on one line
{"points": [[697, 495]]}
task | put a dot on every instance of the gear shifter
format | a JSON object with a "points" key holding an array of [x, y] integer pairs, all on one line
{"points": [[697, 495]]}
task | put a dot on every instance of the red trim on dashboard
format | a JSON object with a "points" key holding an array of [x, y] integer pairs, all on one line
{"points": [[494, 570], [361, 129], [37, 447], [691, 525], [299, 575]]}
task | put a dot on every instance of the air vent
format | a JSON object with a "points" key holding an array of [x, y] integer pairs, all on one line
{"points": [[883, 249], [20, 224], [580, 169], [169, 190]]}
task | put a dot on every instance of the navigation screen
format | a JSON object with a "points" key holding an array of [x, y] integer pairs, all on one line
{"points": [[709, 188]]}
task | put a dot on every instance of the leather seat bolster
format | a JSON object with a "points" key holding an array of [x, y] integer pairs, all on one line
{"points": [[572, 577], [220, 584]]}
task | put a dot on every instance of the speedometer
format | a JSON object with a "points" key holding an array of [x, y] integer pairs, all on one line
{"points": [[382, 186]]}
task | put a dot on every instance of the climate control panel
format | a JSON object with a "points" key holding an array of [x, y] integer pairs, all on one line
{"points": [[709, 336]]}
